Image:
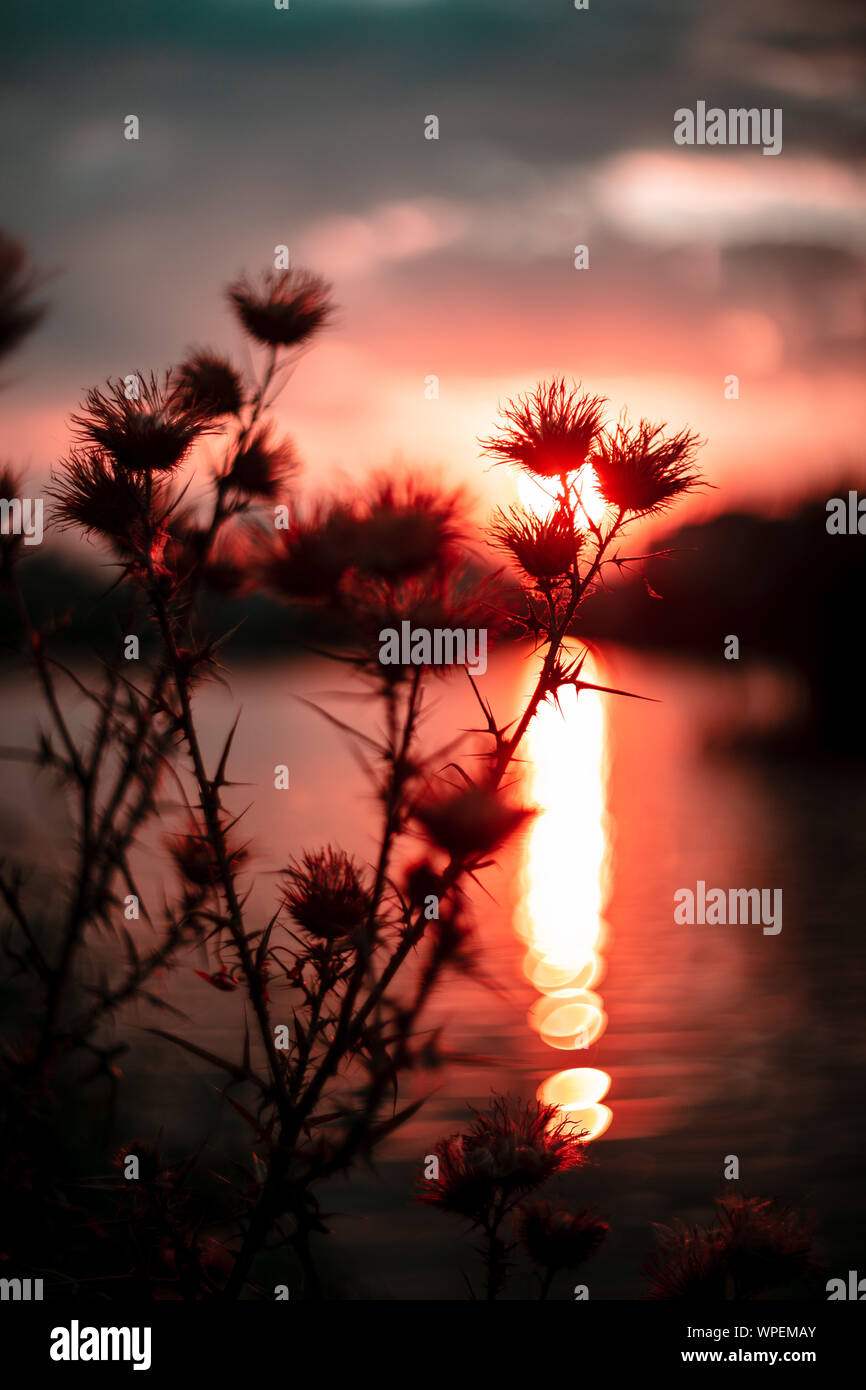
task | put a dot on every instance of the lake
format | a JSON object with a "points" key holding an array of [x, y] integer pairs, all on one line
{"points": [[704, 1041]]}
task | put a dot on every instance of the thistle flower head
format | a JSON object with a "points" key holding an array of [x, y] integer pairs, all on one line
{"points": [[471, 821], [141, 423], [507, 1151], [766, 1244], [208, 383], [285, 309], [92, 492], [18, 313], [325, 894], [754, 1245], [549, 432], [689, 1263], [196, 858], [441, 599], [310, 557], [560, 1239], [641, 470], [261, 466], [546, 548], [404, 529]]}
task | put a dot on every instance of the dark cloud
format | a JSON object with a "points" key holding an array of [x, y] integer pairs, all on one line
{"points": [[816, 293]]}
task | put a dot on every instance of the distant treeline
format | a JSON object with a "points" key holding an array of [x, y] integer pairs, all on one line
{"points": [[786, 588], [83, 607], [790, 591]]}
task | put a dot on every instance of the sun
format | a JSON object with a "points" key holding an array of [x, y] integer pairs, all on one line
{"points": [[536, 498]]}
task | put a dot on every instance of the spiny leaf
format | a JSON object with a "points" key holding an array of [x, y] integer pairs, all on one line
{"points": [[218, 780]]}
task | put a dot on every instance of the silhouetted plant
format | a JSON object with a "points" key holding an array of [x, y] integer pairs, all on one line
{"points": [[752, 1247], [558, 1239], [486, 1175], [19, 312], [333, 952]]}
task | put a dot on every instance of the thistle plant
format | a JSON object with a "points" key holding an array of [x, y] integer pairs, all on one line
{"points": [[488, 1176], [332, 985], [752, 1247]]}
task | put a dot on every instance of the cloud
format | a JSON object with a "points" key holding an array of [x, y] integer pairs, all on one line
{"points": [[398, 231], [454, 256], [719, 198]]}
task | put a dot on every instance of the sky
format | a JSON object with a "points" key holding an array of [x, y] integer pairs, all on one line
{"points": [[452, 257]]}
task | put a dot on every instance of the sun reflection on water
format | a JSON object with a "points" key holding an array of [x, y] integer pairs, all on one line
{"points": [[565, 882]]}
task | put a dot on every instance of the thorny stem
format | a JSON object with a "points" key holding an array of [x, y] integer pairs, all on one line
{"points": [[76, 916], [257, 406], [102, 850], [544, 683], [45, 679], [496, 1251], [455, 869], [398, 755], [294, 1106], [212, 810], [347, 1031], [350, 1028]]}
